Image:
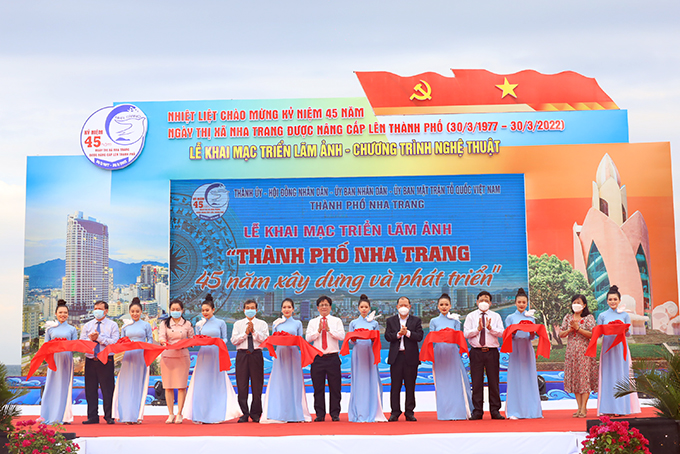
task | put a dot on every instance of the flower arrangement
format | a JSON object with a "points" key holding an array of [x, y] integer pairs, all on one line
{"points": [[31, 437], [614, 437]]}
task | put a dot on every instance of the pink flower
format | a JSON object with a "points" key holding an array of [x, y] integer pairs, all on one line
{"points": [[26, 443]]}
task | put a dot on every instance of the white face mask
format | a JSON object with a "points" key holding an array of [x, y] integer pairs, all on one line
{"points": [[403, 310], [577, 307], [483, 306]]}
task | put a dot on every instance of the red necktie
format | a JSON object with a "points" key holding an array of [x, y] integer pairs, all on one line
{"points": [[482, 334], [324, 341]]}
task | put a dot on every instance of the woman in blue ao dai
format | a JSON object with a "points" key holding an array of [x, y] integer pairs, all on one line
{"points": [[365, 399], [55, 407], [129, 396], [285, 399], [211, 398], [451, 381], [613, 368], [523, 400]]}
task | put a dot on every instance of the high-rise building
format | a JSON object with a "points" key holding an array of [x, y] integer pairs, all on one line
{"points": [[162, 293], [87, 264], [31, 317]]}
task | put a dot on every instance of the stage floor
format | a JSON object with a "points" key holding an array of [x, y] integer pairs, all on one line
{"points": [[556, 433]]}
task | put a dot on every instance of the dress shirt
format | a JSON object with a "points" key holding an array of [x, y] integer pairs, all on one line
{"points": [[335, 333], [239, 337], [108, 332], [402, 322], [472, 332]]}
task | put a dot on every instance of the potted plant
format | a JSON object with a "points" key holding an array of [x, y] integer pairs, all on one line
{"points": [[662, 385], [32, 437], [614, 437], [8, 410]]}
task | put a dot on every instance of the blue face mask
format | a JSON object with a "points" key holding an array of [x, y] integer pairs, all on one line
{"points": [[175, 314], [98, 314], [250, 313]]}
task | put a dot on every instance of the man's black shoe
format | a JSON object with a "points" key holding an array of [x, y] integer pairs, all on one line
{"points": [[243, 418], [475, 416], [411, 418], [393, 418], [110, 420], [497, 416], [91, 421], [335, 418], [320, 419]]}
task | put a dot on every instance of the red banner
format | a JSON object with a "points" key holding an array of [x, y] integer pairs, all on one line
{"points": [[446, 335], [478, 91], [124, 344], [363, 333], [617, 328], [528, 327], [286, 339], [48, 349]]}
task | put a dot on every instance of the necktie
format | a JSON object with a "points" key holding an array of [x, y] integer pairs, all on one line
{"points": [[482, 333], [98, 347], [324, 340], [251, 345]]}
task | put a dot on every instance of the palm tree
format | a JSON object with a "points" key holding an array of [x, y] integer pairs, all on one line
{"points": [[661, 384], [8, 410]]}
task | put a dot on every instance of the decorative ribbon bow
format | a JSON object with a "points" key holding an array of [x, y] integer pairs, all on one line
{"points": [[363, 333], [528, 327], [615, 327], [446, 335]]}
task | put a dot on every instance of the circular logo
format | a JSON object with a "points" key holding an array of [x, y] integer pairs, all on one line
{"points": [[113, 137], [210, 201]]}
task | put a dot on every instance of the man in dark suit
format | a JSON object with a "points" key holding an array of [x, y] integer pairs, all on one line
{"points": [[403, 332]]}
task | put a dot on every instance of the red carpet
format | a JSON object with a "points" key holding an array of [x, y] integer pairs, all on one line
{"points": [[154, 426]]}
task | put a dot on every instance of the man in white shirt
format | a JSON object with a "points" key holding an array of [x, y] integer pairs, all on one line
{"points": [[482, 329], [103, 331], [247, 336], [324, 332]]}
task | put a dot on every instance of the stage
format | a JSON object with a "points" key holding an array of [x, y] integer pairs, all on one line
{"points": [[557, 432]]}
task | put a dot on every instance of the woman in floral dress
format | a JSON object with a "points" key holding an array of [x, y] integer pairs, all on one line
{"points": [[580, 371]]}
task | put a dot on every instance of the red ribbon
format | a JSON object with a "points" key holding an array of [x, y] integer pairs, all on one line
{"points": [[201, 340], [615, 327], [446, 335], [284, 338], [363, 333], [49, 348], [125, 344], [529, 327]]}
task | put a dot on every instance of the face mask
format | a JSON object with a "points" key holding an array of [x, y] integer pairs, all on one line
{"points": [[403, 310], [250, 313], [175, 314], [577, 307], [483, 306], [98, 314]]}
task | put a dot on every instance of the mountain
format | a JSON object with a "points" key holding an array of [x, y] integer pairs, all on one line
{"points": [[50, 273]]}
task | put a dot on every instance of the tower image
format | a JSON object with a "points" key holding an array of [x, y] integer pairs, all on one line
{"points": [[87, 265]]}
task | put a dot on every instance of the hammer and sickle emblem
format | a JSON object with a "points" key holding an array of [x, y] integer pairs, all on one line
{"points": [[425, 94]]}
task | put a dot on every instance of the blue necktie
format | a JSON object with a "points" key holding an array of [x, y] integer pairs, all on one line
{"points": [[98, 347]]}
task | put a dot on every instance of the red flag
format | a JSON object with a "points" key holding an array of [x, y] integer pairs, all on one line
{"points": [[481, 91]]}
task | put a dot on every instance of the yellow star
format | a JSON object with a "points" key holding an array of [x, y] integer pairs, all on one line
{"points": [[508, 89]]}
